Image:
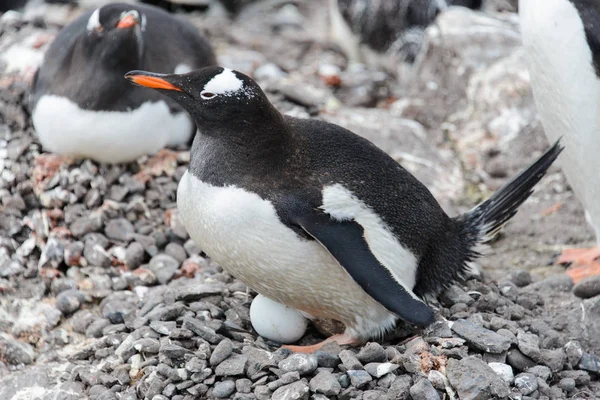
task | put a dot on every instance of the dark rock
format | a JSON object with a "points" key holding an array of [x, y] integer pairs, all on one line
{"points": [[349, 360], [555, 359], [327, 360], [474, 379], [529, 344], [590, 362], [588, 287], [134, 255], [173, 351], [541, 371], [297, 391], [304, 364], [359, 377], [581, 378], [560, 282], [223, 389], [196, 292], [233, 366], [95, 328], [69, 301], [567, 384], [526, 383], [371, 352], [176, 251], [119, 229], [147, 345], [221, 352], [164, 267], [94, 250], [400, 388], [520, 278], [455, 294], [481, 338], [519, 361], [324, 382], [201, 329], [163, 327], [14, 352], [85, 225], [424, 390]]}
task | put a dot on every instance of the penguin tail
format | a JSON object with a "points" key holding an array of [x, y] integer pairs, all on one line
{"points": [[483, 222]]}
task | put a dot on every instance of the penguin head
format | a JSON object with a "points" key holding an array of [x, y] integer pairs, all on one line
{"points": [[114, 35], [214, 96]]}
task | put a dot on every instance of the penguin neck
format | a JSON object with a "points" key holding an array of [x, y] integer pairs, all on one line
{"points": [[240, 151]]}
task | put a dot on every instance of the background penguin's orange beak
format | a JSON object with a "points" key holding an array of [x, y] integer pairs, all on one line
{"points": [[150, 81], [127, 21]]}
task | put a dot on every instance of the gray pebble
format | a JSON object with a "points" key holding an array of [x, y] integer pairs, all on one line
{"points": [[521, 278], [223, 389], [176, 251], [233, 366], [526, 383], [589, 287], [69, 301], [349, 360], [298, 391], [424, 390], [134, 255], [164, 267], [304, 364], [119, 229], [324, 382], [567, 384], [358, 377], [15, 352], [221, 352], [377, 370], [481, 338], [372, 352]]}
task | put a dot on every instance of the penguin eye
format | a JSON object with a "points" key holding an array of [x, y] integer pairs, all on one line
{"points": [[206, 95]]}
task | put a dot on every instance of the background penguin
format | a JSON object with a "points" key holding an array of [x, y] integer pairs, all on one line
{"points": [[397, 26], [562, 39], [81, 104], [315, 217]]}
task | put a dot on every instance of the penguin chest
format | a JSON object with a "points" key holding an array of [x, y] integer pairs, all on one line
{"points": [[107, 136], [242, 232]]}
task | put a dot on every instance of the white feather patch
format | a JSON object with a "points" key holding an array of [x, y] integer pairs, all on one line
{"points": [[225, 83], [94, 20], [343, 205]]}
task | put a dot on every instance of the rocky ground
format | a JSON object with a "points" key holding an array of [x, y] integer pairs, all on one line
{"points": [[104, 296]]}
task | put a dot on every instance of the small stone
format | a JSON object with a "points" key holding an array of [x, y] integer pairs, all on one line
{"points": [[526, 383], [195, 364], [233, 366], [297, 391], [14, 352], [372, 352], [455, 294], [192, 293], [400, 388], [147, 345], [559, 282], [567, 384], [243, 385], [163, 327], [324, 382], [437, 379], [221, 352], [69, 301], [164, 267], [590, 362], [119, 229], [223, 389], [349, 360], [173, 351], [83, 226], [481, 338], [378, 370], [327, 360], [94, 250], [519, 361], [521, 278], [473, 379], [574, 352], [554, 359], [582, 378], [95, 328], [176, 251], [424, 390], [541, 371], [304, 364], [587, 288], [358, 377], [201, 329], [134, 255], [73, 253], [504, 371], [529, 344]]}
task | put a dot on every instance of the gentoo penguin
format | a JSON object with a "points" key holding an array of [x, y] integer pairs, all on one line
{"points": [[395, 26], [82, 106], [562, 42], [315, 217]]}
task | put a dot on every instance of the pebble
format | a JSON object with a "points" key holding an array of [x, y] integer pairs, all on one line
{"points": [[521, 278], [474, 379], [424, 390], [587, 288], [164, 267], [119, 229], [481, 338], [349, 360], [526, 383], [590, 362], [325, 383], [304, 364], [377, 370], [221, 352], [504, 371], [15, 352], [134, 255], [69, 301], [297, 391], [371, 352], [358, 377], [223, 389], [233, 366]]}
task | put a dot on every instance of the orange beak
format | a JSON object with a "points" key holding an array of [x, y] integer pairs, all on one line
{"points": [[127, 22], [153, 82]]}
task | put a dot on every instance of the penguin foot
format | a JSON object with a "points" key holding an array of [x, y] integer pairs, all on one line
{"points": [[584, 262], [341, 339]]}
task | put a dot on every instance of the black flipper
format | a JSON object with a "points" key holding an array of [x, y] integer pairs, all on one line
{"points": [[345, 241]]}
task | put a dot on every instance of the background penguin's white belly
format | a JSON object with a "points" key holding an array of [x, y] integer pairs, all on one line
{"points": [[567, 92], [107, 136], [243, 233]]}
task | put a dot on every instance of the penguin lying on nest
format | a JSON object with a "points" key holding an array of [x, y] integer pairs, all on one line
{"points": [[562, 38], [315, 217], [82, 106]]}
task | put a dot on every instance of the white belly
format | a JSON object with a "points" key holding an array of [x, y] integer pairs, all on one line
{"points": [[243, 233], [107, 136], [567, 93]]}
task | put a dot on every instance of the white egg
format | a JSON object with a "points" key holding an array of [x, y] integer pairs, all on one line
{"points": [[275, 321]]}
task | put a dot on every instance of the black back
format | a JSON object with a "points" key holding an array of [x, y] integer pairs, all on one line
{"points": [[91, 73], [589, 11]]}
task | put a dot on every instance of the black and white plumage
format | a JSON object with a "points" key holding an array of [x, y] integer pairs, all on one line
{"points": [[315, 217], [562, 41], [395, 26], [82, 106]]}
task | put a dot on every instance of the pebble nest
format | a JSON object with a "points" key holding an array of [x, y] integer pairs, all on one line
{"points": [[104, 296]]}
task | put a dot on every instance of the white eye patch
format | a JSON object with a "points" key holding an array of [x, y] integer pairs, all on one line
{"points": [[94, 21], [226, 83]]}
